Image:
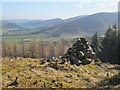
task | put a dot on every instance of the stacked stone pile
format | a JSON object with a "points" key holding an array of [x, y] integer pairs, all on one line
{"points": [[80, 53]]}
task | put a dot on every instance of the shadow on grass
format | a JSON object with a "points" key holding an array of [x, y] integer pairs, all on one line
{"points": [[113, 82]]}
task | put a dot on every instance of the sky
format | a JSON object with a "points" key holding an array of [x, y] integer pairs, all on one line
{"points": [[48, 9]]}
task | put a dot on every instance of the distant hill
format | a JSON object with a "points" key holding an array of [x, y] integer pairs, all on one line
{"points": [[74, 18], [12, 29], [11, 26], [16, 21], [42, 23], [83, 25], [86, 25]]}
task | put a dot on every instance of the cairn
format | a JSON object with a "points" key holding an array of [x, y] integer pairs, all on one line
{"points": [[80, 53]]}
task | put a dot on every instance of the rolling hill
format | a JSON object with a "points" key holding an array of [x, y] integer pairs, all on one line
{"points": [[11, 26], [86, 25], [83, 25]]}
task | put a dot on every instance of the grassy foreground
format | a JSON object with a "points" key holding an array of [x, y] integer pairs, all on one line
{"points": [[31, 73]]}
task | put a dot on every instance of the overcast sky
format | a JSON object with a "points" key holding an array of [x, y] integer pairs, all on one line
{"points": [[34, 9]]}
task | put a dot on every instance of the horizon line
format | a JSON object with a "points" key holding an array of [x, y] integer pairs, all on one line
{"points": [[59, 17]]}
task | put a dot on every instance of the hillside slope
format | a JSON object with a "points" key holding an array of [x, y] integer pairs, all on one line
{"points": [[82, 25], [31, 73], [86, 25]]}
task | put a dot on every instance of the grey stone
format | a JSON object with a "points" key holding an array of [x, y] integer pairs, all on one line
{"points": [[80, 53]]}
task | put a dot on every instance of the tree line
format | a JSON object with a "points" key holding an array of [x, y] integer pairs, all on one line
{"points": [[106, 47], [35, 48]]}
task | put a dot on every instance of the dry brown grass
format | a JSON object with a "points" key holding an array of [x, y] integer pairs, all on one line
{"points": [[32, 74]]}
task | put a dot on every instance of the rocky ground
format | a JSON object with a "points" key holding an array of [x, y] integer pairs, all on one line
{"points": [[27, 72]]}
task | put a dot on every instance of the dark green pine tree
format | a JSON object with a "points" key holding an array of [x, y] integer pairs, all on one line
{"points": [[109, 52], [96, 44]]}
